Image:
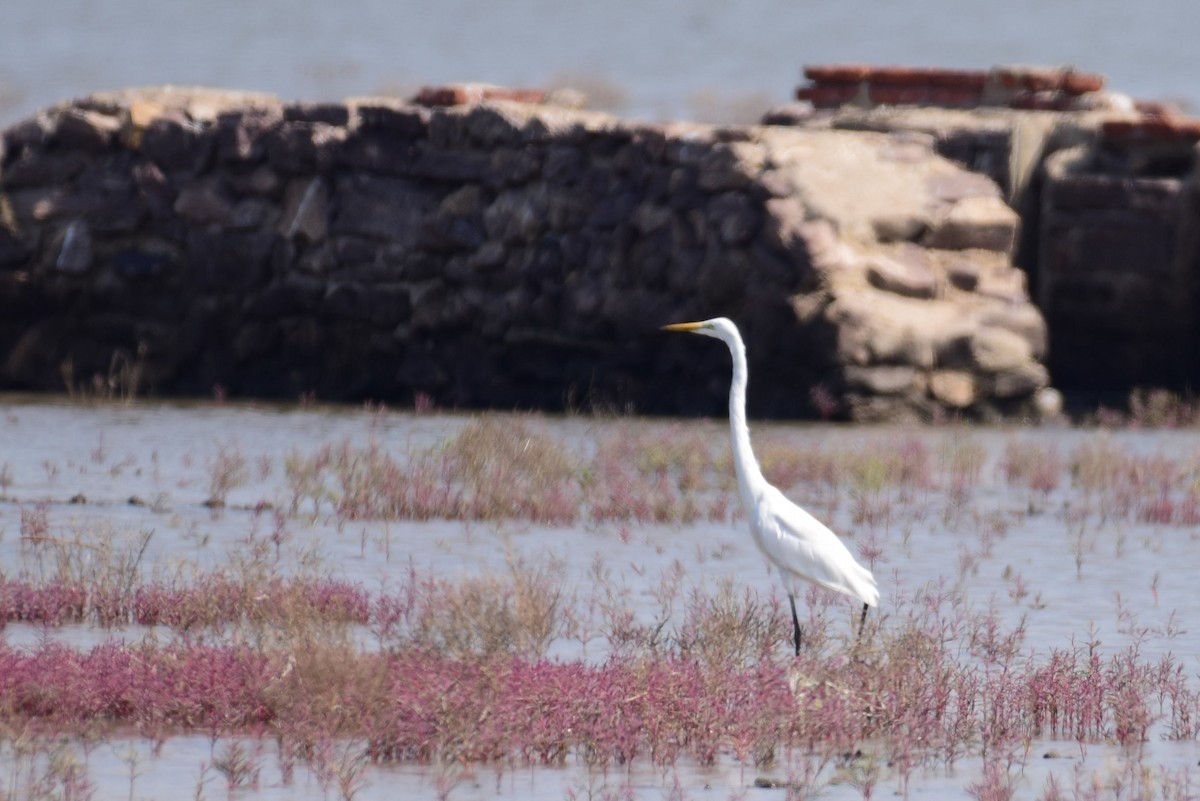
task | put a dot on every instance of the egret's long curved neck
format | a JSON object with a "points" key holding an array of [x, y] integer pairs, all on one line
{"points": [[750, 477]]}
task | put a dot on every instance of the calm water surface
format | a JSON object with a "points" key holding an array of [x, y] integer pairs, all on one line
{"points": [[1081, 588]]}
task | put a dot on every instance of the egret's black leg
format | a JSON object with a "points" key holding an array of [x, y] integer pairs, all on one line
{"points": [[862, 621], [795, 623]]}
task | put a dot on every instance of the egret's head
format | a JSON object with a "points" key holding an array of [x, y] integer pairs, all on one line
{"points": [[719, 327]]}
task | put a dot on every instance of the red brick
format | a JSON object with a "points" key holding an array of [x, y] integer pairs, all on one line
{"points": [[837, 73], [441, 96], [958, 79], [900, 95], [460, 94], [1082, 82], [955, 96], [898, 76], [927, 76], [825, 96]]}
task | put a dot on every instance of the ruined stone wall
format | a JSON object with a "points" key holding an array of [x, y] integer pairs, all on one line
{"points": [[1120, 260], [1105, 185], [486, 252]]}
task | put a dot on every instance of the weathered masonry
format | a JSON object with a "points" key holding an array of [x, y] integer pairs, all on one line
{"points": [[486, 249], [1106, 188]]}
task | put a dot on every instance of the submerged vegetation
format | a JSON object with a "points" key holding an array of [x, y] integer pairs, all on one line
{"points": [[624, 637]]}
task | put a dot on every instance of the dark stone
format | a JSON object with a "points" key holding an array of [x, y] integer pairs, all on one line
{"points": [[683, 189], [383, 306], [439, 308], [328, 113], [176, 143], [229, 261], [651, 257], [725, 168], [242, 135], [722, 282], [452, 233], [287, 298], [134, 264], [43, 169], [420, 266], [543, 263], [316, 260], [155, 191], [29, 134], [563, 165], [451, 166], [368, 150], [114, 212], [488, 257], [385, 208], [304, 147], [305, 211], [251, 212], [354, 250], [74, 249], [406, 122], [632, 159], [421, 367], [13, 251], [638, 312], [256, 339], [513, 167], [490, 125], [88, 131], [1093, 192], [684, 270], [35, 358], [32, 206], [612, 209], [575, 247], [582, 299], [447, 128], [687, 151], [205, 202], [1112, 245], [736, 219], [516, 215]]}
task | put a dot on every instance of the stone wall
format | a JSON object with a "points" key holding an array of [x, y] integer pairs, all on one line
{"points": [[1120, 258], [484, 250], [1105, 185]]}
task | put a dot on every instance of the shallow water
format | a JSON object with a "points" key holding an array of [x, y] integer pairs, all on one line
{"points": [[1108, 585]]}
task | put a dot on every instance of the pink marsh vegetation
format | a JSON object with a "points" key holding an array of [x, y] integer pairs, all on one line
{"points": [[542, 662]]}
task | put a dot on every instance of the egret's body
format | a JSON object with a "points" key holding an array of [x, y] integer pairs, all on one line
{"points": [[801, 546]]}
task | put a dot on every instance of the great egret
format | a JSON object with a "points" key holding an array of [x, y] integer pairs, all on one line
{"points": [[801, 546]]}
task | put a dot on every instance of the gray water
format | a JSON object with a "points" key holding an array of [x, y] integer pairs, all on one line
{"points": [[700, 59], [51, 452]]}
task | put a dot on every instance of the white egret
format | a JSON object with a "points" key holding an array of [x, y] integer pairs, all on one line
{"points": [[801, 546]]}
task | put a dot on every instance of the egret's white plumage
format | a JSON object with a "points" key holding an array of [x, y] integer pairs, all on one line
{"points": [[801, 546]]}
